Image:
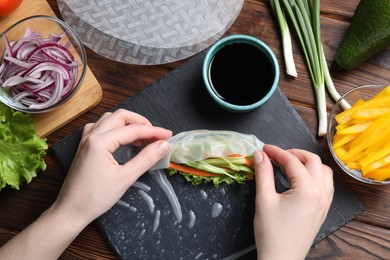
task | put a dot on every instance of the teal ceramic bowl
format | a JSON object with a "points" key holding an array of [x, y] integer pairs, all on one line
{"points": [[240, 72]]}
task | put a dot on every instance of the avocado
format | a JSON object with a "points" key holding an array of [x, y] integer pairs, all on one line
{"points": [[368, 33]]}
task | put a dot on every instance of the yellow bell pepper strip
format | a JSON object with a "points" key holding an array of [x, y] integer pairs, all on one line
{"points": [[377, 132], [380, 174], [351, 123], [376, 165], [354, 165], [375, 156], [340, 151], [343, 126], [357, 103], [347, 115], [340, 140], [376, 147], [357, 157], [355, 129], [384, 92], [371, 113]]}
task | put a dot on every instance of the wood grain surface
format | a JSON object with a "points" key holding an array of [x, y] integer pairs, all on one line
{"points": [[365, 237]]}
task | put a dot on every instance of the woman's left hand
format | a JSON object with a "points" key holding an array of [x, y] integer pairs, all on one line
{"points": [[96, 181]]}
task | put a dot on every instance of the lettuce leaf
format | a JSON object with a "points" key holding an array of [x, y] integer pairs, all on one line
{"points": [[22, 151], [196, 180]]}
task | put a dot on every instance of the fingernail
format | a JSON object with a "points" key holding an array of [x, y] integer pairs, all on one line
{"points": [[163, 147], [258, 157]]}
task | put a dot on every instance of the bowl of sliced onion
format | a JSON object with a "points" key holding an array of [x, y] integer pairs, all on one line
{"points": [[42, 64]]}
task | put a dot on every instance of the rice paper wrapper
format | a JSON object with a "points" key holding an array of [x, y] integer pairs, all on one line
{"points": [[198, 145]]}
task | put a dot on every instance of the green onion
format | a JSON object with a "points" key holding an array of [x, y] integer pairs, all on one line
{"points": [[305, 17], [286, 39], [330, 86]]}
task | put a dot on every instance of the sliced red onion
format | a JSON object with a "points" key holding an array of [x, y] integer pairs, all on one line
{"points": [[20, 63], [38, 72], [16, 80]]}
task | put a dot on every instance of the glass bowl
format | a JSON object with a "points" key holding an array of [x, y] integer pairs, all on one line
{"points": [[47, 27], [363, 92]]}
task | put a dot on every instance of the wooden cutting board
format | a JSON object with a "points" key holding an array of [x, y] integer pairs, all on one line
{"points": [[88, 96]]}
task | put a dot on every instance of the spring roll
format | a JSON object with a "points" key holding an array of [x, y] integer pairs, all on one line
{"points": [[216, 156]]}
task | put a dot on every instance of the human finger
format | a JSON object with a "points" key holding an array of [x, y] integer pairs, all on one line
{"points": [[91, 126], [292, 166], [309, 159], [119, 118], [329, 184], [87, 129], [129, 134], [313, 164], [265, 182], [104, 116], [321, 174], [144, 160]]}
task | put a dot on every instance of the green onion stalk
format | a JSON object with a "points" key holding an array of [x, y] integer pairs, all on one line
{"points": [[330, 86], [286, 38], [305, 17]]}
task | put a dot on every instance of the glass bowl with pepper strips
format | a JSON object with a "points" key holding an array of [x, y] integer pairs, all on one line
{"points": [[359, 137]]}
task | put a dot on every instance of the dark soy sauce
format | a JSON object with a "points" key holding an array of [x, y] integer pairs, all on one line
{"points": [[241, 74]]}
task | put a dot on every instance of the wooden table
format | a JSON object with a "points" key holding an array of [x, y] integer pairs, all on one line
{"points": [[365, 237]]}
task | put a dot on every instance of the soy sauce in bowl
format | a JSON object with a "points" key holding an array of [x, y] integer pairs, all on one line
{"points": [[241, 74]]}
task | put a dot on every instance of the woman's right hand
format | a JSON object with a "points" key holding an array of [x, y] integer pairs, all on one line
{"points": [[286, 224]]}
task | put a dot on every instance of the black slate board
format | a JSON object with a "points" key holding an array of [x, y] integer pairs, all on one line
{"points": [[179, 102]]}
